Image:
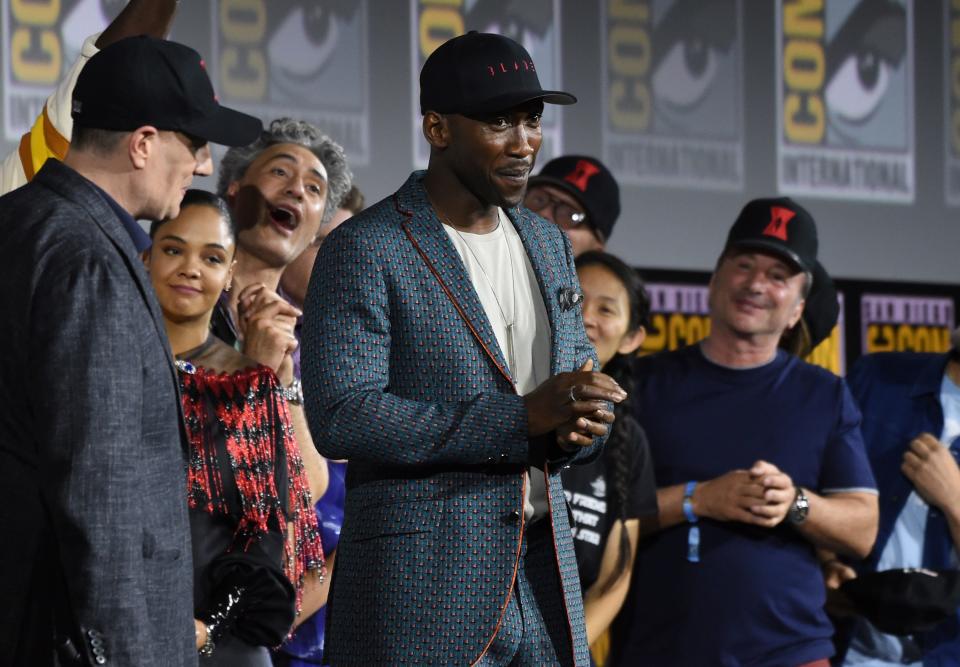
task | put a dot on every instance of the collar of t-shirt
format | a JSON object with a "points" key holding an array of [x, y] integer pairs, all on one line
{"points": [[141, 240], [532, 335]]}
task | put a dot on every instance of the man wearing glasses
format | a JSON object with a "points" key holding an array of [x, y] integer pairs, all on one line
{"points": [[578, 194]]}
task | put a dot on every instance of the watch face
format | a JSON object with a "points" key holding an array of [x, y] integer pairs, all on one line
{"points": [[798, 511]]}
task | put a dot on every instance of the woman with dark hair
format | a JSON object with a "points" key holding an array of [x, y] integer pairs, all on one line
{"points": [[253, 530], [611, 495]]}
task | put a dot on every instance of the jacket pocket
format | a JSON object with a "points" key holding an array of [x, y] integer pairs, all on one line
{"points": [[399, 518]]}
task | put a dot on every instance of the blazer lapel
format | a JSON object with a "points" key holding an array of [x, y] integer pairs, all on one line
{"points": [[53, 174], [549, 276], [426, 232]]}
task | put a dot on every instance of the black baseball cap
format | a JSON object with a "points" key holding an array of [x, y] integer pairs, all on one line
{"points": [[588, 181], [777, 225], [479, 73], [142, 80], [905, 601], [821, 309]]}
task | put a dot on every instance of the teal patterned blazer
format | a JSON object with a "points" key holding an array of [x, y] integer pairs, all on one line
{"points": [[404, 378]]}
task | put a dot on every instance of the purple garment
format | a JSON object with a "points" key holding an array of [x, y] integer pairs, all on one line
{"points": [[295, 355], [305, 648]]}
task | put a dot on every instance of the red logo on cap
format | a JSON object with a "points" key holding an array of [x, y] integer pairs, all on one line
{"points": [[582, 174], [503, 68], [779, 218]]}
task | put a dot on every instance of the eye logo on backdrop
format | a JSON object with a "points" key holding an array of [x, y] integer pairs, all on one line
{"points": [[845, 99], [303, 58], [673, 92], [533, 23], [42, 39]]}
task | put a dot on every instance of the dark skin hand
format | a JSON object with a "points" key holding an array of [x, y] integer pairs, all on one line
{"points": [[577, 422], [140, 17]]}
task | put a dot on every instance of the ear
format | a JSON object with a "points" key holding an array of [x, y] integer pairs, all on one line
{"points": [[229, 285], [797, 313], [142, 144], [436, 130], [632, 341], [232, 191], [145, 258]]}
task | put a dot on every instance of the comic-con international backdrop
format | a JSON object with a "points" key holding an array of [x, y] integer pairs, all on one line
{"points": [[850, 106]]}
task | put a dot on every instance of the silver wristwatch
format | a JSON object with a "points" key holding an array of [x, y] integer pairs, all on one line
{"points": [[294, 393], [799, 509]]}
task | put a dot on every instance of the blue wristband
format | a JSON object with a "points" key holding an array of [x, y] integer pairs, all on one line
{"points": [[693, 533], [688, 502]]}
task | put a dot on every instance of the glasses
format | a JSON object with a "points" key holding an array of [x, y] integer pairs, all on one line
{"points": [[564, 215]]}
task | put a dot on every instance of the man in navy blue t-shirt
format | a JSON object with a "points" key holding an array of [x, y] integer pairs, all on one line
{"points": [[759, 460]]}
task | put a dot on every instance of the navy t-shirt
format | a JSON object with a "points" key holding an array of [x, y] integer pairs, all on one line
{"points": [[756, 596]]}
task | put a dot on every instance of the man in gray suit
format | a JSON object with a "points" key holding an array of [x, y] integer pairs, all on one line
{"points": [[96, 568]]}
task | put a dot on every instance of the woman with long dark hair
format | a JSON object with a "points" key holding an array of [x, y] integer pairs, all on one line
{"points": [[611, 495], [253, 528]]}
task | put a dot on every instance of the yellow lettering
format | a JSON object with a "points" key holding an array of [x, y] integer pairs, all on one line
{"points": [[804, 118], [243, 21], [629, 10], [804, 65], [827, 353], [656, 339], [905, 339], [36, 12], [36, 64], [630, 105], [437, 25], [629, 51], [244, 73], [244, 70], [802, 18], [880, 338]]}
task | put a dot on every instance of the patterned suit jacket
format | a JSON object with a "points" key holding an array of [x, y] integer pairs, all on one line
{"points": [[92, 460], [404, 378]]}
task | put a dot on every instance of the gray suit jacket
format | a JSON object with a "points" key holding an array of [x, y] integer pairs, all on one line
{"points": [[93, 506]]}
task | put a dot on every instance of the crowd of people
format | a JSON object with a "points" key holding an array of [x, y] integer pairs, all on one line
{"points": [[280, 428]]}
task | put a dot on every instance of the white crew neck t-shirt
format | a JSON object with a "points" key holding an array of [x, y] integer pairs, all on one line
{"points": [[508, 290]]}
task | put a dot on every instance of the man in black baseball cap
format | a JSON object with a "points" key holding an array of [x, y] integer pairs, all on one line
{"points": [[780, 226], [762, 462], [460, 303], [148, 81], [580, 195], [91, 441]]}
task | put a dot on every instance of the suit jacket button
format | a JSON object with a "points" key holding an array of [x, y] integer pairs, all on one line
{"points": [[101, 660], [514, 516]]}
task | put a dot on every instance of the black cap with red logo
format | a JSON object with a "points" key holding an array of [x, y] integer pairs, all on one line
{"points": [[822, 309], [479, 73], [778, 225], [588, 181], [142, 80]]}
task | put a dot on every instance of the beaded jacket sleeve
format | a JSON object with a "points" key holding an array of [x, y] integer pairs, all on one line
{"points": [[245, 486]]}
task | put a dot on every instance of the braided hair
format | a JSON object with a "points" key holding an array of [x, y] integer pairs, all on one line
{"points": [[620, 448]]}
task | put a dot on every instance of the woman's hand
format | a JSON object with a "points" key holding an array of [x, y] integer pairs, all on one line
{"points": [[200, 630]]}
